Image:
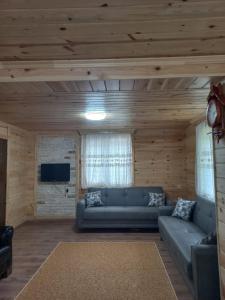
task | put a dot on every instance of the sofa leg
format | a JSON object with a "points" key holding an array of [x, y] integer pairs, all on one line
{"points": [[9, 270], [6, 273]]}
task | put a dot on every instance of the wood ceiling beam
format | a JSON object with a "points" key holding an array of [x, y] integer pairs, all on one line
{"points": [[99, 69]]}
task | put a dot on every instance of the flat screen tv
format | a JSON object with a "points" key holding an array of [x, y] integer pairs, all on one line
{"points": [[55, 172]]}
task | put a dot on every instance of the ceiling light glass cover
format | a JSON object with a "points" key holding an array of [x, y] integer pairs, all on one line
{"points": [[95, 115]]}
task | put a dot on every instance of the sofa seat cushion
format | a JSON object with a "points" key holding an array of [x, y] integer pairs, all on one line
{"points": [[181, 235], [121, 213]]}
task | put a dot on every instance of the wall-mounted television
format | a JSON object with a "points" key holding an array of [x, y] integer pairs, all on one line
{"points": [[55, 172]]}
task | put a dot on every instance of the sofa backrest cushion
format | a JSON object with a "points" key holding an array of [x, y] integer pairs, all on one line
{"points": [[133, 196], [204, 215]]}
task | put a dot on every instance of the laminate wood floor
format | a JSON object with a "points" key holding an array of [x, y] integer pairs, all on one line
{"points": [[33, 241]]}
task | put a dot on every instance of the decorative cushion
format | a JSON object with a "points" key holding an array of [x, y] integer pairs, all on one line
{"points": [[94, 199], [210, 239], [183, 209], [156, 199]]}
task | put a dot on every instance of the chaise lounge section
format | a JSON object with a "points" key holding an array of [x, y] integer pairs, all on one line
{"points": [[198, 262], [123, 208]]}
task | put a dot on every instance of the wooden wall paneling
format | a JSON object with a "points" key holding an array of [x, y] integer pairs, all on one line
{"points": [[126, 85], [35, 174], [186, 83], [219, 155], [159, 156], [160, 160], [133, 157], [98, 85], [3, 180], [71, 86], [41, 87], [59, 87], [140, 85], [174, 83], [84, 86], [20, 176], [190, 149], [149, 85], [78, 174], [3, 131], [157, 84], [112, 85], [199, 82]]}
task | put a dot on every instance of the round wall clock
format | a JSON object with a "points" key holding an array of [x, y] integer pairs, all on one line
{"points": [[214, 113]]}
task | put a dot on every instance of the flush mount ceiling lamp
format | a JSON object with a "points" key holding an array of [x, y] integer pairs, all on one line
{"points": [[95, 115]]}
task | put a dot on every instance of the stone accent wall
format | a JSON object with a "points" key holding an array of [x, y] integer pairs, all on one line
{"points": [[56, 199]]}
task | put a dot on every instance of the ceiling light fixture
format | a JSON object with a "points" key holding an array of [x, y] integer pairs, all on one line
{"points": [[95, 115]]}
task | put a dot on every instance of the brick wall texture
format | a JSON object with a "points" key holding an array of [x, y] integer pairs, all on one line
{"points": [[56, 199]]}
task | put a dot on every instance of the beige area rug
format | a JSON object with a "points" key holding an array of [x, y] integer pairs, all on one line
{"points": [[101, 271]]}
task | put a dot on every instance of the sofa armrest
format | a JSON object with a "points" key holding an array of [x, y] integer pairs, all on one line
{"points": [[80, 211], [166, 210], [6, 235], [81, 206], [205, 272]]}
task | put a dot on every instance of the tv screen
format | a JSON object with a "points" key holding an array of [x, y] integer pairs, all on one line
{"points": [[55, 172]]}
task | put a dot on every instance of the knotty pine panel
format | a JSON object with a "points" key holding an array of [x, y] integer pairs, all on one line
{"points": [[3, 132], [220, 186], [190, 148], [20, 175], [159, 160], [222, 275], [31, 30], [220, 202]]}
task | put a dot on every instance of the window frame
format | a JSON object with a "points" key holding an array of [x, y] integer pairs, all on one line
{"points": [[132, 167], [213, 199]]}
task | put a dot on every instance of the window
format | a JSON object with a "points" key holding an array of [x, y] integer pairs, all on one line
{"points": [[204, 162], [106, 160]]}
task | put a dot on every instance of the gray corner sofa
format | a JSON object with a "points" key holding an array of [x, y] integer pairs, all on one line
{"points": [[196, 261], [123, 208]]}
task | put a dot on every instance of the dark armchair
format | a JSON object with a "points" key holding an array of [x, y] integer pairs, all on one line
{"points": [[6, 234]]}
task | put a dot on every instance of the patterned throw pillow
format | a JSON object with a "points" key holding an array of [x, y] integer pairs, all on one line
{"points": [[94, 199], [210, 239], [183, 209], [156, 199]]}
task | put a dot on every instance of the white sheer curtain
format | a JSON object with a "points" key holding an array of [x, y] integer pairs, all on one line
{"points": [[204, 162], [106, 160]]}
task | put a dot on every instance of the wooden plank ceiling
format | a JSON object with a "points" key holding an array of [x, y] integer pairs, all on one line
{"points": [[91, 29], [130, 104]]}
